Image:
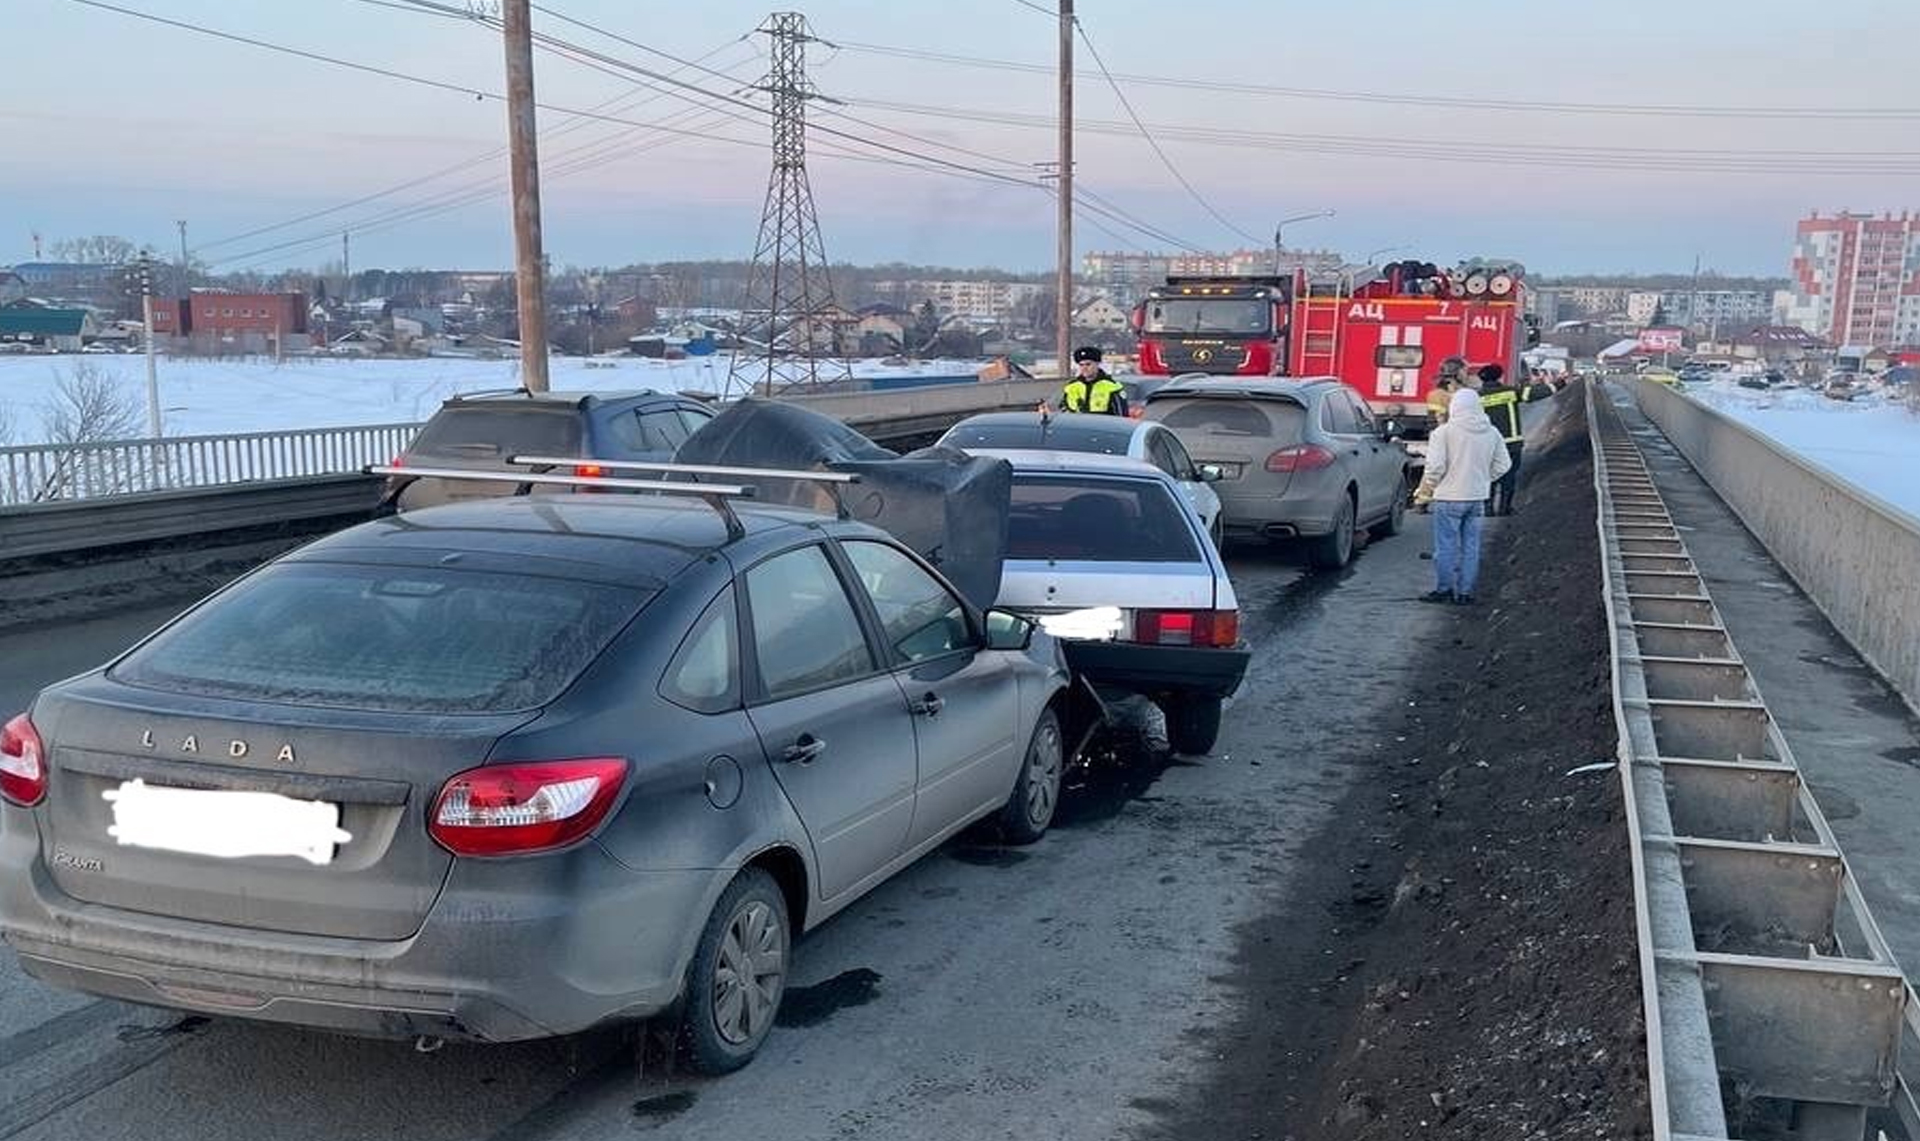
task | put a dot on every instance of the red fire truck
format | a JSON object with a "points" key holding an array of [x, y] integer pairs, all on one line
{"points": [[1386, 336]]}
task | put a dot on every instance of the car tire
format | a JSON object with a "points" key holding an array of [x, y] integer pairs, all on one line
{"points": [[1396, 518], [1334, 549], [1036, 791], [725, 1019], [1193, 724]]}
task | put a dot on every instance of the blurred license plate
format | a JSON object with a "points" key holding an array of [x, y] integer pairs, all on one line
{"points": [[1229, 471], [224, 823]]}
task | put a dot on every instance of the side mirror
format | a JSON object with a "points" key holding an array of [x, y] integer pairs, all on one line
{"points": [[1008, 631], [1210, 473], [1392, 429]]}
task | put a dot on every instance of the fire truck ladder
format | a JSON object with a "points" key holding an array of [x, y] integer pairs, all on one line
{"points": [[1320, 327]]}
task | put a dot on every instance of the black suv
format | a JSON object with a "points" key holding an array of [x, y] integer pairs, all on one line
{"points": [[483, 429]]}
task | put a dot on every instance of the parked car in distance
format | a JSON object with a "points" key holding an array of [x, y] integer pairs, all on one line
{"points": [[1298, 458], [482, 430], [507, 769], [1106, 554], [1105, 435]]}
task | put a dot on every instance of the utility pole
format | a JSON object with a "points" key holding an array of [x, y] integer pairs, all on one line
{"points": [[346, 265], [143, 270], [1063, 271], [182, 223], [529, 276]]}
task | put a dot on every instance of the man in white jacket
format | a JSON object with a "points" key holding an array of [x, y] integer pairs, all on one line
{"points": [[1464, 458]]}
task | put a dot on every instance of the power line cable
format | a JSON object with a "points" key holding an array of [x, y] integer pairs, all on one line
{"points": [[1447, 101], [1172, 169]]}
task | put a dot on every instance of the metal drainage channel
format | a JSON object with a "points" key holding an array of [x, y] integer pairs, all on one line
{"points": [[1763, 975]]}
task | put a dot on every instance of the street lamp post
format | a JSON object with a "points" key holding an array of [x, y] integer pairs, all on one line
{"points": [[1283, 223], [1372, 254]]}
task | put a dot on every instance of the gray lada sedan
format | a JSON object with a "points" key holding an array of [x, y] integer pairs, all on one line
{"points": [[511, 768]]}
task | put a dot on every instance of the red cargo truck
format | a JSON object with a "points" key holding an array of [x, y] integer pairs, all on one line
{"points": [[1385, 336]]}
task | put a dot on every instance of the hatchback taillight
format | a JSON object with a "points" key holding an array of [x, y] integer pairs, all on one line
{"points": [[521, 808], [593, 471], [1300, 457], [1187, 627], [23, 763]]}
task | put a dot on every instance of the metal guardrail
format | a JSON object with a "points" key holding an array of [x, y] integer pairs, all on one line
{"points": [[1762, 971], [83, 524], [59, 499], [45, 473]]}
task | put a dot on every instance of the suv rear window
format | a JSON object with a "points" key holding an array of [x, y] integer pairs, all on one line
{"points": [[496, 433], [1280, 420], [1086, 518], [407, 639]]}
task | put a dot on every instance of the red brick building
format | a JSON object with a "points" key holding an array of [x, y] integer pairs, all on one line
{"points": [[222, 314]]}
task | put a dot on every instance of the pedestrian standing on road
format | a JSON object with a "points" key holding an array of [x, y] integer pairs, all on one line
{"points": [[1502, 402], [1464, 457], [1090, 389]]}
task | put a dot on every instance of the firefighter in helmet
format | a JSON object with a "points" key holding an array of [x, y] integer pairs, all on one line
{"points": [[1502, 402], [1090, 389], [1453, 374]]}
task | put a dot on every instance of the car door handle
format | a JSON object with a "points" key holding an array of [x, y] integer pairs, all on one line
{"points": [[929, 706], [805, 750]]}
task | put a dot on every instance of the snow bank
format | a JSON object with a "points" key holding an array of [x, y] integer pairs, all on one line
{"points": [[1872, 442], [215, 397]]}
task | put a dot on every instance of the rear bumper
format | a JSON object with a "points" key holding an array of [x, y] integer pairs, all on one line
{"points": [[1159, 669], [530, 952], [1276, 518]]}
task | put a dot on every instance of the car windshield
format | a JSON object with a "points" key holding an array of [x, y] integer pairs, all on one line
{"points": [[405, 639], [496, 433], [1094, 519], [1281, 421], [1214, 315], [1107, 440]]}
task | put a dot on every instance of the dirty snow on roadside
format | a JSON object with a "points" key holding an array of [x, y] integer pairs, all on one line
{"points": [[217, 397], [1872, 442]]}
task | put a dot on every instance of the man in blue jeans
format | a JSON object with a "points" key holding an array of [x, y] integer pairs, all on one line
{"points": [[1464, 458]]}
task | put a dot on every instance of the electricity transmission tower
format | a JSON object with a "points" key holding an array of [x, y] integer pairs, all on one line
{"points": [[788, 281]]}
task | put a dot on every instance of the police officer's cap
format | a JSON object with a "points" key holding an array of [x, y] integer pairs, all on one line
{"points": [[1086, 353]]}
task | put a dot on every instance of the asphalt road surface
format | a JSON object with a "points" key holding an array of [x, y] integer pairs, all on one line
{"points": [[1063, 990]]}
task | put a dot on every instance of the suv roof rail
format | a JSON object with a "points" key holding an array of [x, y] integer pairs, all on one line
{"points": [[833, 479], [715, 495], [523, 390]]}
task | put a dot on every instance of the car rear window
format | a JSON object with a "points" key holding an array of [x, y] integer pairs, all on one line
{"points": [[1086, 518], [1280, 420], [496, 433], [425, 640], [1106, 441]]}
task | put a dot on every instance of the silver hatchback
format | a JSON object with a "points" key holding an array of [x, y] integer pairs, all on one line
{"points": [[1298, 458]]}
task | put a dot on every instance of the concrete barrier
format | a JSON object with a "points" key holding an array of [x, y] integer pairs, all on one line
{"points": [[1856, 556]]}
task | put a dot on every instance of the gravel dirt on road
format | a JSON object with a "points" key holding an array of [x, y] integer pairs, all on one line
{"points": [[1482, 981]]}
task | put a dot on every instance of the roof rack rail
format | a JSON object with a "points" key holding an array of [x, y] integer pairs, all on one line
{"points": [[523, 390], [715, 495], [833, 479]]}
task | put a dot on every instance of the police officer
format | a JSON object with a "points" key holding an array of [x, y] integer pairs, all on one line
{"points": [[1090, 389], [1502, 403]]}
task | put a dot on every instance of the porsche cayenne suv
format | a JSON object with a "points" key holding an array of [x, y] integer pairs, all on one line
{"points": [[507, 769]]}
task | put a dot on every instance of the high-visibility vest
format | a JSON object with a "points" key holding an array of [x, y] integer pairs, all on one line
{"points": [[1080, 396], [1503, 408]]}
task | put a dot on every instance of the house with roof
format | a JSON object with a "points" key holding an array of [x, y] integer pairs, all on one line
{"points": [[62, 330]]}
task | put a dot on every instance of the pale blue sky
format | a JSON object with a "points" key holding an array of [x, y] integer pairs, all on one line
{"points": [[119, 126]]}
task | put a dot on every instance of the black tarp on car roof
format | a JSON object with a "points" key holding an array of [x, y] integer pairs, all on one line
{"points": [[947, 506]]}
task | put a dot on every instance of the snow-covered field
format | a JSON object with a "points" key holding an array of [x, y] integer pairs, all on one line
{"points": [[213, 397], [1872, 442]]}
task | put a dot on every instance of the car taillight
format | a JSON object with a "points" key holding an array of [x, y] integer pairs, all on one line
{"points": [[517, 809], [594, 470], [1187, 627], [1300, 457], [23, 765], [398, 461]]}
